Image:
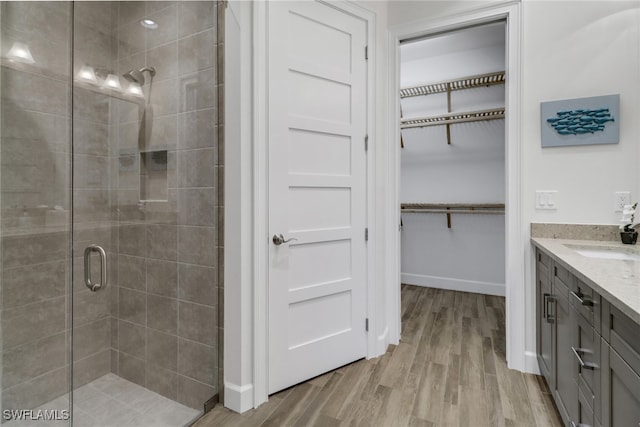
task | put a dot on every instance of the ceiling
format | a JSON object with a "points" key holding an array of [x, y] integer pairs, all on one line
{"points": [[455, 41]]}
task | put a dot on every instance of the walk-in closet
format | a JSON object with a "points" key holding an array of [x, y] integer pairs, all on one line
{"points": [[452, 189]]}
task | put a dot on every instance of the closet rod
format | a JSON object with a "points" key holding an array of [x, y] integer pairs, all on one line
{"points": [[454, 208], [404, 206], [456, 211]]}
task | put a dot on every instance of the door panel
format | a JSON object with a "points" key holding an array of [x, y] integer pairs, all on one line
{"points": [[317, 190]]}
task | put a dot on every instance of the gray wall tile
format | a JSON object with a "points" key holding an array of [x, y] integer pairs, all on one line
{"points": [[26, 285], [162, 350], [198, 90], [197, 245], [91, 338], [196, 206], [162, 381], [162, 277], [131, 240], [132, 306], [162, 241], [36, 391], [193, 393], [197, 284], [33, 249], [31, 360], [197, 361], [197, 169], [165, 60], [167, 31], [195, 16], [197, 52], [197, 129], [131, 368], [32, 322], [132, 339], [162, 313], [91, 306], [132, 272], [197, 322]]}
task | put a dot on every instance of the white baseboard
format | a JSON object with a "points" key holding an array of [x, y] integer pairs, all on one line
{"points": [[474, 286], [382, 343], [238, 398], [531, 363]]}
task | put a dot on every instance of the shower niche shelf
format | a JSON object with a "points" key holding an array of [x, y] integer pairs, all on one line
{"points": [[153, 176]]}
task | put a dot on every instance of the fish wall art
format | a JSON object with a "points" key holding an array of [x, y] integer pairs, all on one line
{"points": [[582, 121]]}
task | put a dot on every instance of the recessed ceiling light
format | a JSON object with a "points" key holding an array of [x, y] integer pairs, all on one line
{"points": [[149, 23]]}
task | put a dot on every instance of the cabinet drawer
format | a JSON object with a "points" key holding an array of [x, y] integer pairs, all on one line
{"points": [[587, 302], [543, 259], [562, 281], [623, 334], [587, 362], [563, 276]]}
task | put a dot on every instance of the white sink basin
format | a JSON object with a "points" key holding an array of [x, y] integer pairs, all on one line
{"points": [[604, 253]]}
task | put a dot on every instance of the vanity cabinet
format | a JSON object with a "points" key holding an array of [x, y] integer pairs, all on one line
{"points": [[620, 346], [544, 315], [588, 350]]}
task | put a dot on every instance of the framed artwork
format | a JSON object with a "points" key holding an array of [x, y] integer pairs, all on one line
{"points": [[580, 121]]}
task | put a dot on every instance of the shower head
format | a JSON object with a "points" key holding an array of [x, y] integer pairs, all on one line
{"points": [[137, 76]]}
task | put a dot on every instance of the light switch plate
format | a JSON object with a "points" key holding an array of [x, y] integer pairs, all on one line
{"points": [[547, 200], [621, 198]]}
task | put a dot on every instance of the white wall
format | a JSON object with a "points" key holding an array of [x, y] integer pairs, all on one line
{"points": [[569, 49], [469, 256], [578, 49], [238, 244], [403, 11]]}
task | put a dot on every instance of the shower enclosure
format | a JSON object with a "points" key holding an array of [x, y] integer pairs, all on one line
{"points": [[109, 211]]}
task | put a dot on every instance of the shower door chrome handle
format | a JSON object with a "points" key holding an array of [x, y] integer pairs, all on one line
{"points": [[93, 287]]}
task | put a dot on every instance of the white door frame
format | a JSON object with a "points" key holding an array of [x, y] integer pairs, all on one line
{"points": [[515, 250], [261, 186]]}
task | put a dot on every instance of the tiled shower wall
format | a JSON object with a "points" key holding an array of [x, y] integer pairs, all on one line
{"points": [[156, 324], [164, 324]]}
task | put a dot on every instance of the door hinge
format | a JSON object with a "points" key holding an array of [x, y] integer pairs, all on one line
{"points": [[366, 324], [366, 143], [366, 234], [366, 52]]}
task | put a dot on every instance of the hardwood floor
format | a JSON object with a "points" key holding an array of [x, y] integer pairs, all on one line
{"points": [[448, 370]]}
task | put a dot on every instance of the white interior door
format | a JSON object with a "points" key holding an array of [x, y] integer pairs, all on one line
{"points": [[317, 190]]}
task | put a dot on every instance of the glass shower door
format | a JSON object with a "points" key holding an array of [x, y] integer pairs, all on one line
{"points": [[35, 206], [144, 324]]}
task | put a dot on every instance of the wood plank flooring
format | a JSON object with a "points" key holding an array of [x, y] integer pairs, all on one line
{"points": [[448, 370]]}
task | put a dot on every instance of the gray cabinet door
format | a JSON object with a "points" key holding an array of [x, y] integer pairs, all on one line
{"points": [[620, 391], [545, 322], [566, 389]]}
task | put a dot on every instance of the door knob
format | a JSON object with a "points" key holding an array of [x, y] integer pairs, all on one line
{"points": [[279, 239]]}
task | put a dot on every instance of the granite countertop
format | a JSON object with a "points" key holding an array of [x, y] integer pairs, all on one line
{"points": [[616, 280]]}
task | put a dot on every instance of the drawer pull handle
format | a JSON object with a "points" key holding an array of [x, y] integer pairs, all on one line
{"points": [[578, 352], [584, 301], [548, 314]]}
